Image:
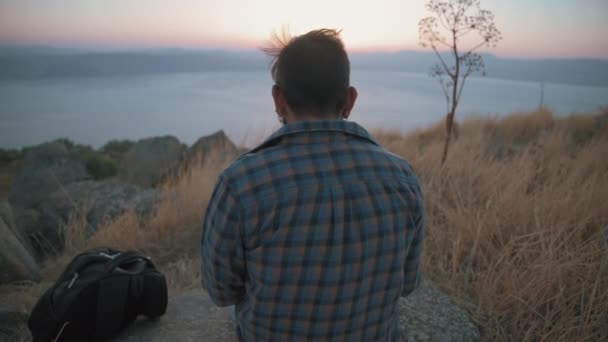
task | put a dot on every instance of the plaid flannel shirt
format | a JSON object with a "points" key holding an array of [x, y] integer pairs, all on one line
{"points": [[314, 235]]}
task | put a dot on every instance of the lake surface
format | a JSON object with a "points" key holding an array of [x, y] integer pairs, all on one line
{"points": [[95, 110]]}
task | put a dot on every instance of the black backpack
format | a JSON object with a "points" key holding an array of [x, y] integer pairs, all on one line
{"points": [[100, 293]]}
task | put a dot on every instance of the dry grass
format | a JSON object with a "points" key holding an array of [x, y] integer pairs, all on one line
{"points": [[520, 235], [517, 224]]}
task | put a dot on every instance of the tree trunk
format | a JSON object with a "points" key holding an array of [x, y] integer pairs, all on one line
{"points": [[449, 122]]}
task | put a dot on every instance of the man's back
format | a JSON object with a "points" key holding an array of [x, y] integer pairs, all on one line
{"points": [[315, 234]]}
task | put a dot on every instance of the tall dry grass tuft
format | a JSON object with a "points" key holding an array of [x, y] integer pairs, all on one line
{"points": [[521, 236]]}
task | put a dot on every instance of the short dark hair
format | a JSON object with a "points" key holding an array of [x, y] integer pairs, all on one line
{"points": [[312, 70]]}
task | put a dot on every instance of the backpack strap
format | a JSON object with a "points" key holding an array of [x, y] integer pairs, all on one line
{"points": [[111, 301], [114, 293], [126, 258]]}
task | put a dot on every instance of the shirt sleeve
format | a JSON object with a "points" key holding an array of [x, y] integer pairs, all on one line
{"points": [[412, 262], [223, 270]]}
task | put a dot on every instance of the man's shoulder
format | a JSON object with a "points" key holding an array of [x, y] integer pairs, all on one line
{"points": [[395, 161], [258, 164], [246, 164]]}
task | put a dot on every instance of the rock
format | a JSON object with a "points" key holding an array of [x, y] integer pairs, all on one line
{"points": [[16, 263], [26, 224], [101, 201], [427, 315], [45, 169], [40, 238], [95, 201], [13, 323], [148, 160], [216, 145], [6, 214]]}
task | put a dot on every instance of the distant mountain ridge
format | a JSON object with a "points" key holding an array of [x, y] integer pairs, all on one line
{"points": [[42, 62]]}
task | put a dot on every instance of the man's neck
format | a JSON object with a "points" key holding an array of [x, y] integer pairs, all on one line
{"points": [[312, 117]]}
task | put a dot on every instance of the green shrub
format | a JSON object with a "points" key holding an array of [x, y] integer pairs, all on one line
{"points": [[101, 166], [9, 155], [98, 164], [116, 149]]}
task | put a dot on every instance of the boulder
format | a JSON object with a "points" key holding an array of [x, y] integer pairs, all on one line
{"points": [[148, 160], [94, 201], [6, 214], [426, 315], [26, 226], [100, 201], [216, 145], [13, 323], [16, 263], [45, 169]]}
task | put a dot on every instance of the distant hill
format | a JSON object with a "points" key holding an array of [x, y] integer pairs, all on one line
{"points": [[589, 72], [41, 62]]}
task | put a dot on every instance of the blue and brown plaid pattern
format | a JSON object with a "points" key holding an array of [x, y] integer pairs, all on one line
{"points": [[314, 235]]}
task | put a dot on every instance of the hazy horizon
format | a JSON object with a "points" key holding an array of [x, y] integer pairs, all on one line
{"points": [[43, 62], [85, 49], [543, 29]]}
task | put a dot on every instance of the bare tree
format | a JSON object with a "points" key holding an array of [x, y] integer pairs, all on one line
{"points": [[445, 30]]}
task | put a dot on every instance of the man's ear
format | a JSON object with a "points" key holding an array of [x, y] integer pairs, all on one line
{"points": [[279, 101], [349, 102]]}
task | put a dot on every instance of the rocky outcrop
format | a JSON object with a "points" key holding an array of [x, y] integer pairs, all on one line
{"points": [[16, 263], [95, 202], [45, 169], [99, 202], [54, 185], [148, 160], [6, 214], [216, 145], [427, 315]]}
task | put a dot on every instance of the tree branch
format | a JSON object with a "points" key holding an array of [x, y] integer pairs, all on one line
{"points": [[445, 25], [438, 39], [476, 47], [445, 66], [464, 32]]}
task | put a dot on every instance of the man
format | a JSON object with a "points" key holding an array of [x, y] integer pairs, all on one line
{"points": [[317, 232]]}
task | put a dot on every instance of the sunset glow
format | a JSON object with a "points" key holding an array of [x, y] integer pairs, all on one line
{"points": [[530, 29]]}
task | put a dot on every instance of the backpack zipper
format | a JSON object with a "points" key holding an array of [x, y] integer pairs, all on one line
{"points": [[73, 280], [60, 331], [109, 256]]}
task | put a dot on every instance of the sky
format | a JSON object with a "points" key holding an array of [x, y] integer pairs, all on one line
{"points": [[530, 28]]}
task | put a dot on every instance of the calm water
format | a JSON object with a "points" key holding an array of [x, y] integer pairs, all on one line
{"points": [[95, 110]]}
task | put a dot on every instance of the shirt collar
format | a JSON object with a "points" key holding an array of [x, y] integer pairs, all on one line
{"points": [[312, 131]]}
